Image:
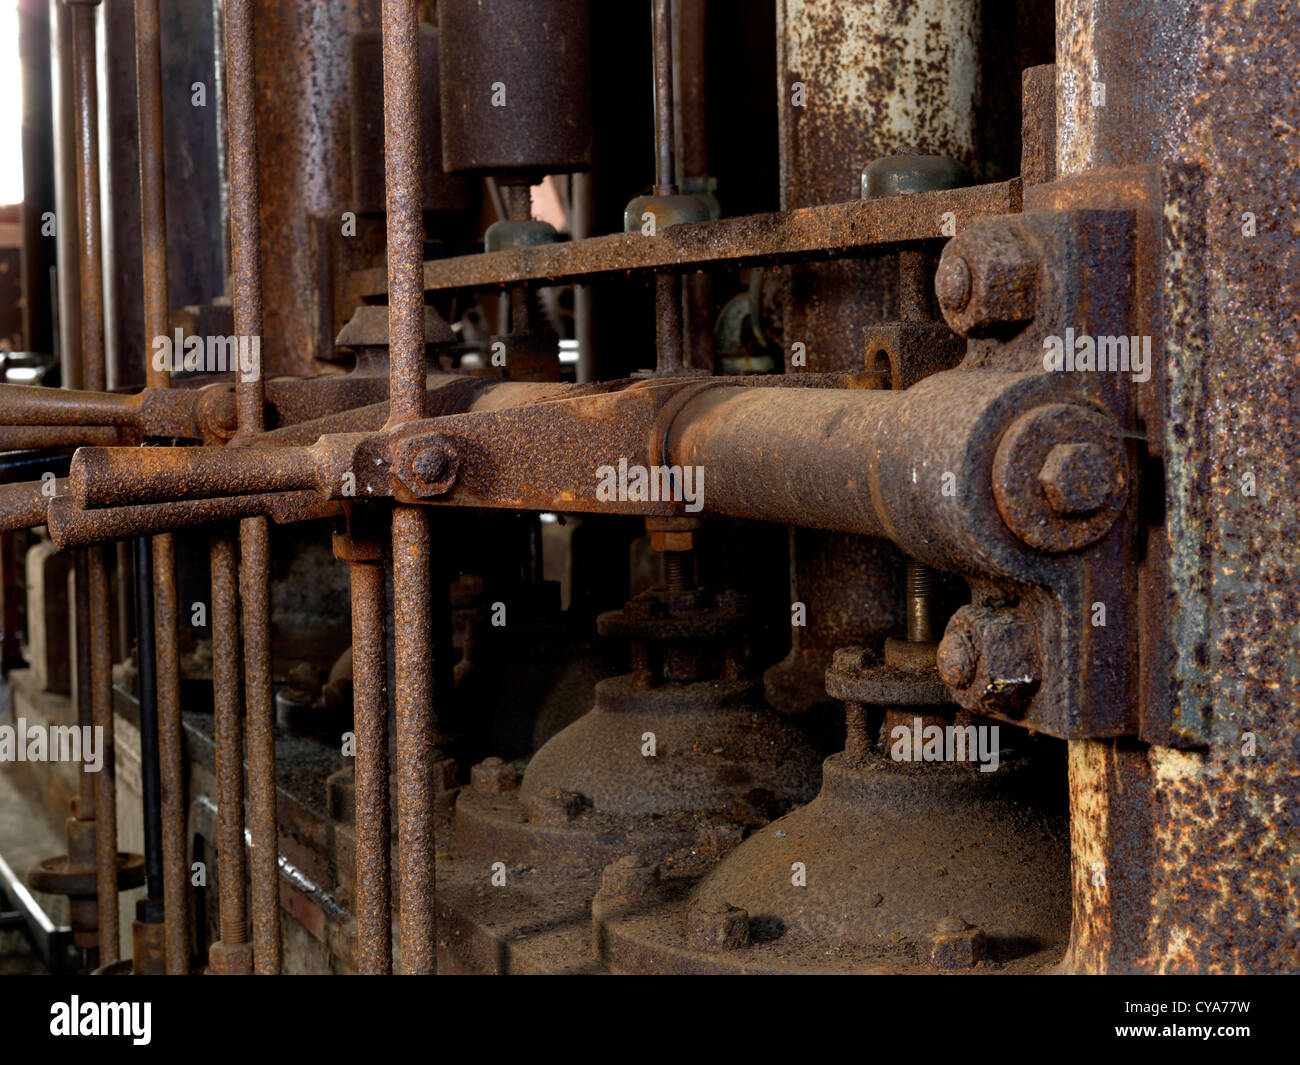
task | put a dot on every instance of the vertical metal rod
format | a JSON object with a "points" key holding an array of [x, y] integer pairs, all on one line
{"points": [[255, 594], [171, 758], [101, 703], [153, 205], [370, 727], [415, 739], [92, 339], [668, 315], [254, 533], [153, 243], [150, 785], [228, 736], [87, 134], [410, 528], [920, 602], [665, 168], [85, 707], [402, 155]]}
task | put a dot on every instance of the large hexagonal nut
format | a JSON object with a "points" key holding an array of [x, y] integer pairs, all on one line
{"points": [[955, 945], [230, 959], [990, 659], [552, 806], [630, 880], [717, 927], [1077, 478], [426, 465], [987, 281], [492, 776]]}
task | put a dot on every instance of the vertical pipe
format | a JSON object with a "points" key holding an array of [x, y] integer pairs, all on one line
{"points": [[228, 736], [171, 758], [410, 529], [87, 136], [150, 786], [415, 739], [402, 155], [254, 533], [86, 108], [370, 727], [153, 244], [665, 169], [101, 702]]}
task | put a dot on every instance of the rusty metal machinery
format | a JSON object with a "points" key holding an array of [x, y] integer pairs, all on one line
{"points": [[522, 560]]}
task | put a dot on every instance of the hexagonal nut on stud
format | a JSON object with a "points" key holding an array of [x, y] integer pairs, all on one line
{"points": [[1077, 478], [717, 927], [672, 533], [629, 880], [230, 959], [492, 776], [426, 466], [954, 944], [552, 806], [987, 281], [989, 659]]}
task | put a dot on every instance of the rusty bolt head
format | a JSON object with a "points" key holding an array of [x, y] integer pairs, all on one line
{"points": [[426, 465], [1077, 478], [492, 776], [957, 659], [552, 806], [631, 879], [952, 283], [849, 659], [955, 945], [1060, 476], [994, 290], [717, 927], [995, 654]]}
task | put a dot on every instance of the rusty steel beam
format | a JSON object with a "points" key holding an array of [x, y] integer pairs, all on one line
{"points": [[807, 234]]}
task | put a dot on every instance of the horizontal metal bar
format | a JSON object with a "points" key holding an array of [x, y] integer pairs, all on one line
{"points": [[835, 230], [52, 942]]}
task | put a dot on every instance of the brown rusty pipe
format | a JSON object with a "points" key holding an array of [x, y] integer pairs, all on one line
{"points": [[23, 505], [370, 727], [410, 525], [70, 526], [113, 476], [153, 242], [227, 955], [402, 164], [665, 162], [254, 532], [93, 371], [24, 437], [28, 405]]}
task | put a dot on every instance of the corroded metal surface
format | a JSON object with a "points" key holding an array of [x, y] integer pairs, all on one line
{"points": [[536, 51], [808, 233]]}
